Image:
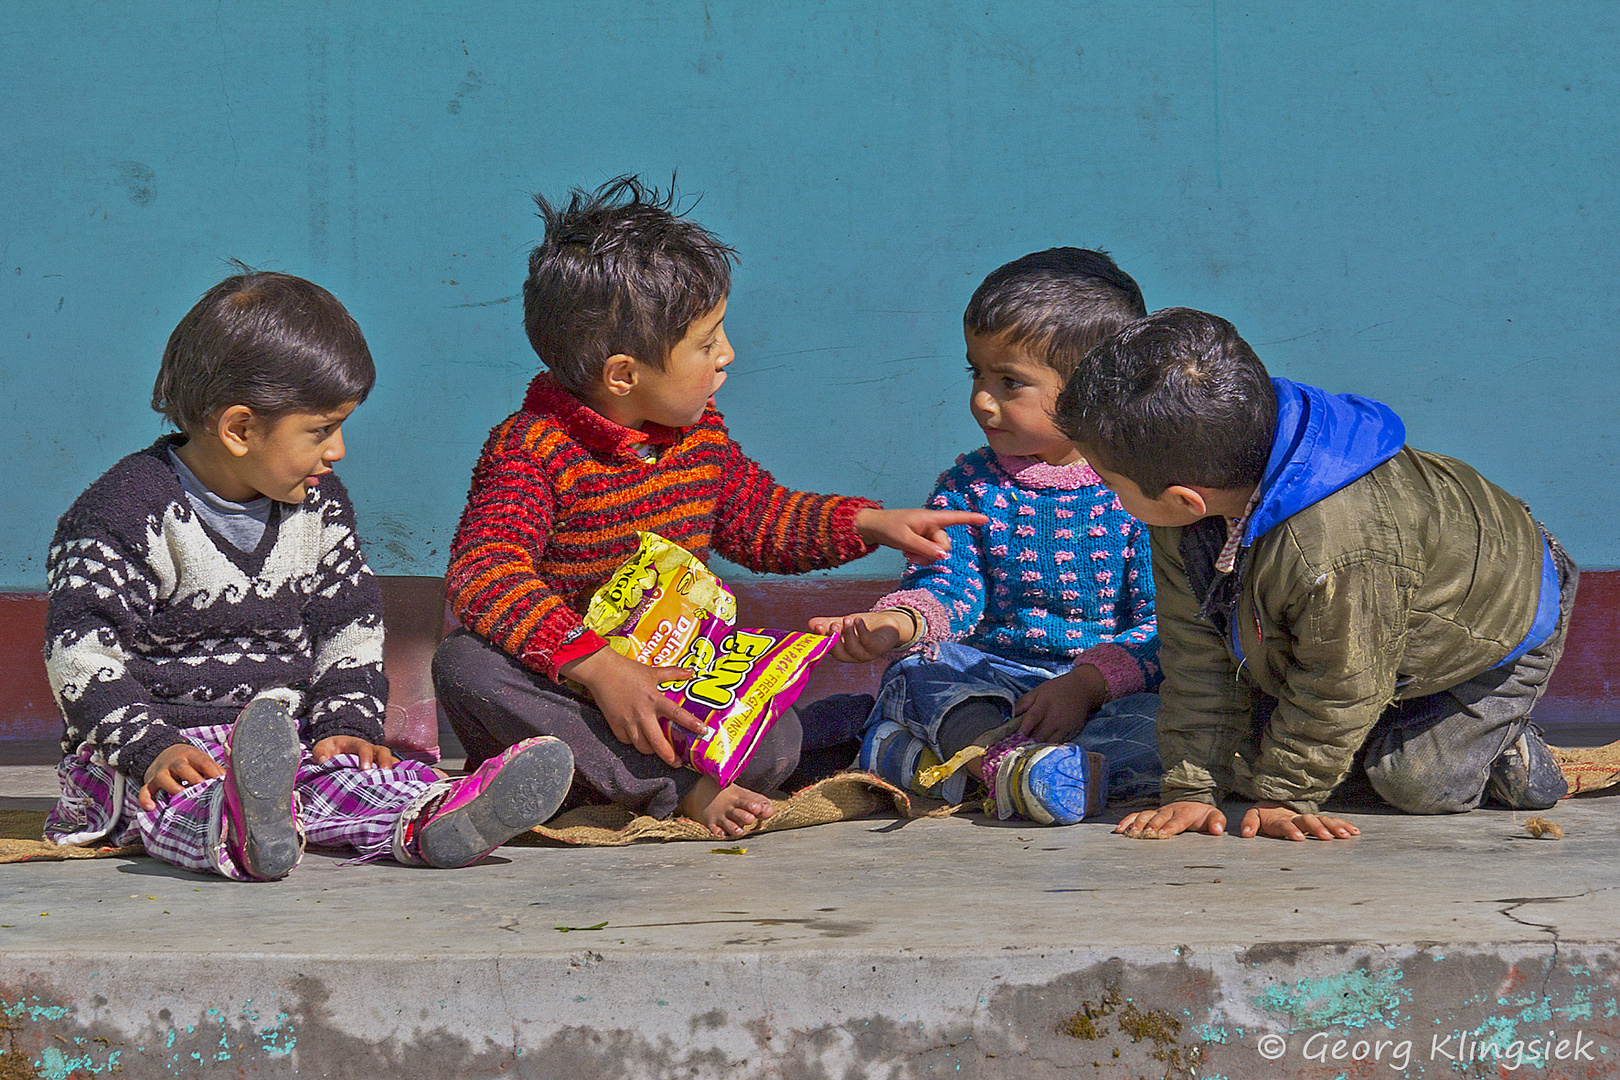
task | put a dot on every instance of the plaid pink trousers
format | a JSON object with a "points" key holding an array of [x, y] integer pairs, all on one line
{"points": [[339, 805]]}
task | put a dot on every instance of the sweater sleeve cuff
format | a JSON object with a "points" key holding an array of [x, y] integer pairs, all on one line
{"points": [[355, 714], [1120, 671], [928, 606], [574, 647], [347, 722], [1187, 782], [134, 765], [847, 542], [1277, 793]]}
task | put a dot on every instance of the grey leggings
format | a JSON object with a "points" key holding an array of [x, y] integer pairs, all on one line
{"points": [[492, 702]]}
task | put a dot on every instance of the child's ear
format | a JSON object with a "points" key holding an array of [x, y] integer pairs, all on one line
{"points": [[619, 374], [232, 428], [1189, 499]]}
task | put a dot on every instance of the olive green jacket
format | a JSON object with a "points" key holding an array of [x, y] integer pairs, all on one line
{"points": [[1411, 579]]}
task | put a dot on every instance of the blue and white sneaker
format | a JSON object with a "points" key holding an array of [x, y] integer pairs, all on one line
{"points": [[1050, 784], [898, 756]]}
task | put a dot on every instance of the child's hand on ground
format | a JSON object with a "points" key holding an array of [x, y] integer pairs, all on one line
{"points": [[1056, 710], [919, 533], [868, 635], [1270, 819], [627, 693], [371, 755], [176, 769], [1173, 818]]}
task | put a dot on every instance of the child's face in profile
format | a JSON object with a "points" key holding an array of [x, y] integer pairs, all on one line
{"points": [[287, 456], [1012, 398], [677, 395]]}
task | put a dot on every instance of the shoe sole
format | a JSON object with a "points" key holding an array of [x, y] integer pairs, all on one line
{"points": [[525, 793], [1038, 800], [264, 768]]}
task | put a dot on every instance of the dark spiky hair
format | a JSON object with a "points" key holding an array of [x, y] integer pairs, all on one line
{"points": [[620, 271]]}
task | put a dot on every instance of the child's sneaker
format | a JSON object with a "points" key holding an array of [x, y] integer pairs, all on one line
{"points": [[261, 832], [1050, 784], [508, 794], [1526, 776], [898, 756]]}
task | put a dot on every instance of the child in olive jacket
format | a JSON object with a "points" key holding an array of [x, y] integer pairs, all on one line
{"points": [[1328, 597]]}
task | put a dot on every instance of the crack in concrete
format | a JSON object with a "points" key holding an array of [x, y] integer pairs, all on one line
{"points": [[1547, 927], [506, 1009], [944, 1046], [1551, 929]]}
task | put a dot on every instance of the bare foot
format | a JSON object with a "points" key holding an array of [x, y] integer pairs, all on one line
{"points": [[725, 811]]}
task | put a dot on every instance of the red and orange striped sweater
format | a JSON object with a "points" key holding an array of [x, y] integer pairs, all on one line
{"points": [[558, 496]]}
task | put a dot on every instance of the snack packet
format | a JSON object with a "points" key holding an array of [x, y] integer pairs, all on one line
{"points": [[664, 608]]}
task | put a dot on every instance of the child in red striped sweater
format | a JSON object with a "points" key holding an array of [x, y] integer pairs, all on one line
{"points": [[625, 303]]}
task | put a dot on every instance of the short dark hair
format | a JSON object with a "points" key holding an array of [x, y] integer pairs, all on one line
{"points": [[619, 271], [1057, 304], [273, 342], [1174, 398]]}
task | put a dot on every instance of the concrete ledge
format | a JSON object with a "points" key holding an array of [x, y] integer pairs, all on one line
{"points": [[949, 947], [1301, 1009]]}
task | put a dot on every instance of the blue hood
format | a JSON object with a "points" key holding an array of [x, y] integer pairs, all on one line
{"points": [[1321, 443], [1324, 441]]}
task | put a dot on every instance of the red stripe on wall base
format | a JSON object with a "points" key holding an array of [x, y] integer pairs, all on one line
{"points": [[1585, 688]]}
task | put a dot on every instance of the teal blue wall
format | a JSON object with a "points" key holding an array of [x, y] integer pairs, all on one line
{"points": [[1413, 200]]}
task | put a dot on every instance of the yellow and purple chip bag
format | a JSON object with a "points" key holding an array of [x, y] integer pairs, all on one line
{"points": [[664, 608]]}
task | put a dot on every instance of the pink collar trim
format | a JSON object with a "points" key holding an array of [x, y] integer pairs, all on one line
{"points": [[1034, 473]]}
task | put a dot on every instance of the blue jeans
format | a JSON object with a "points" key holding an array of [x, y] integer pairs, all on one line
{"points": [[920, 690]]}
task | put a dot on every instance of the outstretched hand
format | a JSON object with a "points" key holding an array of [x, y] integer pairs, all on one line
{"points": [[918, 533], [865, 636]]}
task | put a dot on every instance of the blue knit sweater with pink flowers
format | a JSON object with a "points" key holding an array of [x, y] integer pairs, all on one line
{"points": [[1061, 570]]}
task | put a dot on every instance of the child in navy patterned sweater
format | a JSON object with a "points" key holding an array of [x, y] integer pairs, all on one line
{"points": [[1030, 645], [214, 636]]}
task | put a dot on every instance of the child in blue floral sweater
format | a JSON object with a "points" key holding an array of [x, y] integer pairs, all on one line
{"points": [[1029, 647]]}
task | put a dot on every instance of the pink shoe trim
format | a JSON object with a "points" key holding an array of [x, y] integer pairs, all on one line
{"points": [[465, 789], [992, 758]]}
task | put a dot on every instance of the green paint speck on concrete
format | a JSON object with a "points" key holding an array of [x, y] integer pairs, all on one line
{"points": [[1354, 999]]}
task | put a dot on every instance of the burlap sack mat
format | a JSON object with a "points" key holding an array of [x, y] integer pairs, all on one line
{"points": [[21, 833], [1589, 770], [837, 798]]}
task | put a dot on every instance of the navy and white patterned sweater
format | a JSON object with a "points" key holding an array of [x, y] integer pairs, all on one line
{"points": [[156, 623], [1060, 572]]}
